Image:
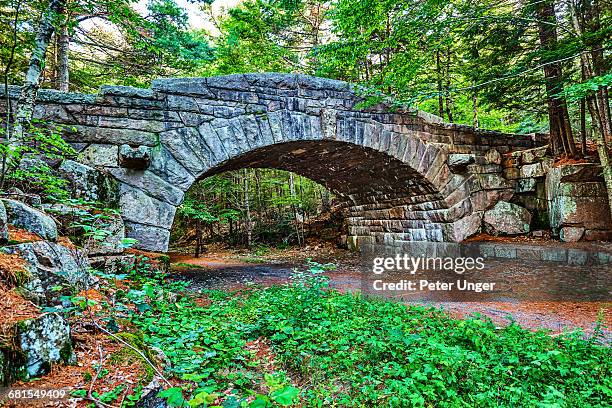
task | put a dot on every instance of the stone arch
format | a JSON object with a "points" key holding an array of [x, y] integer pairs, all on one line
{"points": [[397, 186], [399, 180]]}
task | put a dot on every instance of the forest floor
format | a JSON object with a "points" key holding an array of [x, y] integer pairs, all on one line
{"points": [[522, 300]]}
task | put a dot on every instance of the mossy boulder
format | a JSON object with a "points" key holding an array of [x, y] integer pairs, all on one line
{"points": [[90, 184], [30, 348]]}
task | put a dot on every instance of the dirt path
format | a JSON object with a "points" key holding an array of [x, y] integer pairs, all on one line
{"points": [[522, 300]]}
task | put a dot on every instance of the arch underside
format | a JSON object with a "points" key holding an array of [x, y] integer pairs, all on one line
{"points": [[387, 199]]}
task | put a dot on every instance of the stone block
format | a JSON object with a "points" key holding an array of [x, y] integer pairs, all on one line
{"points": [[577, 257], [492, 181], [105, 155], [529, 253], [534, 155], [526, 185], [507, 219], [458, 162], [505, 251], [136, 158], [554, 255], [148, 237], [571, 234], [492, 156]]}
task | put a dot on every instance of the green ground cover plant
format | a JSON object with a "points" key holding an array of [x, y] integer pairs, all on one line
{"points": [[339, 349]]}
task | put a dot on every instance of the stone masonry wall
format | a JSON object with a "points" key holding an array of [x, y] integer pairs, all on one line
{"points": [[404, 176]]}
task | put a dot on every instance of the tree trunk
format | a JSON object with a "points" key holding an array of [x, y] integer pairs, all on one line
{"points": [[294, 207], [475, 121], [598, 104], [560, 129], [247, 210], [9, 110], [198, 238], [583, 138], [439, 80], [29, 90], [449, 98], [63, 74]]}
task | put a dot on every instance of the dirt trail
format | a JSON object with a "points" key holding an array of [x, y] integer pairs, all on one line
{"points": [[520, 301]]}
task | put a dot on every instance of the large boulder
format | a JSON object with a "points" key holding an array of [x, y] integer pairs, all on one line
{"points": [[45, 341], [507, 219], [30, 219], [91, 184], [52, 265]]}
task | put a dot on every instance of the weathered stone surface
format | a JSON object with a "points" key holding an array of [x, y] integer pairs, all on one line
{"points": [[30, 219], [114, 235], [96, 134], [90, 184], [149, 398], [589, 212], [460, 161], [165, 166], [135, 206], [45, 341], [113, 264], [466, 227], [492, 156], [577, 200], [494, 182], [105, 155], [138, 158], [526, 185], [530, 156], [598, 235], [50, 265], [571, 234], [507, 219], [148, 236]]}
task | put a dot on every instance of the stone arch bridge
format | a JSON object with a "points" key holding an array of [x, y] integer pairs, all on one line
{"points": [[404, 176]]}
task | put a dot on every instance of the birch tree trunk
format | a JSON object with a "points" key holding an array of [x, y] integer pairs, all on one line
{"points": [[29, 90], [294, 207]]}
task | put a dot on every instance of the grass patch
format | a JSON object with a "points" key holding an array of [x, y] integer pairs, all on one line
{"points": [[186, 265]]}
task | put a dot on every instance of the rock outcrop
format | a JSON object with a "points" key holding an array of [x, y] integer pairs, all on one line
{"points": [[578, 203], [52, 265], [3, 223], [30, 219], [89, 183]]}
